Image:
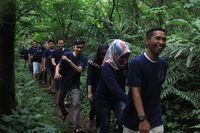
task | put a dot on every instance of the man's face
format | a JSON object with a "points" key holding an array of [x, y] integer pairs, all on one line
{"points": [[79, 48], [157, 42], [46, 45], [51, 45], [60, 44], [35, 44]]}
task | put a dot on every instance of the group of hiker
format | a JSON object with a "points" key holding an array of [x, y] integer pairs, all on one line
{"points": [[109, 71]]}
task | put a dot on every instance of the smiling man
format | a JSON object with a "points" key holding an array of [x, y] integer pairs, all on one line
{"points": [[69, 71], [146, 74]]}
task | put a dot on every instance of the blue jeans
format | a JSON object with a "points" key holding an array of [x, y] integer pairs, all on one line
{"points": [[104, 113], [75, 94]]}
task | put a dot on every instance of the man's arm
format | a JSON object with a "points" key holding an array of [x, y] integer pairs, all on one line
{"points": [[57, 74], [144, 125], [53, 61], [75, 67], [90, 81], [90, 95], [43, 64]]}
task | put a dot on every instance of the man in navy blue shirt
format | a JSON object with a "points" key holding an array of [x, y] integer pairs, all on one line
{"points": [[24, 54], [69, 71], [145, 78], [56, 56], [35, 57], [60, 43], [47, 65]]}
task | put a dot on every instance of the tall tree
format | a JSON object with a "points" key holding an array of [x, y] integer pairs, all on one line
{"points": [[7, 37]]}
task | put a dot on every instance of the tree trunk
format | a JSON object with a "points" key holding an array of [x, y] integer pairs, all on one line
{"points": [[7, 37]]}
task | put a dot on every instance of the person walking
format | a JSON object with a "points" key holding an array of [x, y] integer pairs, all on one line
{"points": [[69, 71], [93, 75], [110, 93], [146, 74]]}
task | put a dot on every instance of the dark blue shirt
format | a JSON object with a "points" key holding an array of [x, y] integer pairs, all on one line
{"points": [[36, 53], [93, 75], [24, 54], [48, 55], [70, 78], [57, 54], [111, 85], [149, 76], [31, 50]]}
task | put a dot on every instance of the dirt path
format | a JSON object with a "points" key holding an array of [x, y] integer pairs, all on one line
{"points": [[69, 119]]}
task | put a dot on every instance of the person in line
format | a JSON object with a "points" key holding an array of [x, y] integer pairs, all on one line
{"points": [[146, 75], [30, 57], [24, 54], [47, 65], [44, 71], [56, 56], [69, 71], [93, 75], [110, 93], [35, 57]]}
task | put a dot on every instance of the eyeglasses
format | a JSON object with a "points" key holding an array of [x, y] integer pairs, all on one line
{"points": [[79, 47], [61, 43]]}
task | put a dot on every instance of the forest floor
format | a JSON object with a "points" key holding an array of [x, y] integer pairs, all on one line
{"points": [[69, 118]]}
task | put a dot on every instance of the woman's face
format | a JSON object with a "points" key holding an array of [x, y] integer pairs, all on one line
{"points": [[123, 59]]}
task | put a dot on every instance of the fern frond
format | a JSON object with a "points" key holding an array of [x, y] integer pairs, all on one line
{"points": [[191, 97]]}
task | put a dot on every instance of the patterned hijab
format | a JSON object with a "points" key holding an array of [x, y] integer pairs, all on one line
{"points": [[117, 49]]}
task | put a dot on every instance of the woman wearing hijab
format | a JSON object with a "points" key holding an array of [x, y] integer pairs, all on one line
{"points": [[93, 75], [110, 92]]}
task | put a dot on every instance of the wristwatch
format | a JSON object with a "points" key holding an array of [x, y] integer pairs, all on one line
{"points": [[142, 118]]}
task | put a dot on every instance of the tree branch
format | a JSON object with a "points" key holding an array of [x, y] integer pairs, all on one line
{"points": [[112, 10]]}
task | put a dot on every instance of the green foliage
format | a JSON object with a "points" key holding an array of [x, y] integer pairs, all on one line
{"points": [[24, 121], [94, 21], [35, 109], [182, 82], [85, 105]]}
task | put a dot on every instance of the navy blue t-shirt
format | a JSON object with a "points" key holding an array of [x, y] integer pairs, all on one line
{"points": [[111, 85], [24, 54], [57, 54], [93, 75], [149, 76], [36, 53], [70, 78], [48, 55]]}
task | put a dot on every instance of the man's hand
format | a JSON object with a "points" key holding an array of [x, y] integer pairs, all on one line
{"points": [[57, 76], [144, 126], [65, 58], [90, 97]]}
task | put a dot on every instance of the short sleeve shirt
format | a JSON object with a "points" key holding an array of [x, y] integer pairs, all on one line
{"points": [[70, 78]]}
